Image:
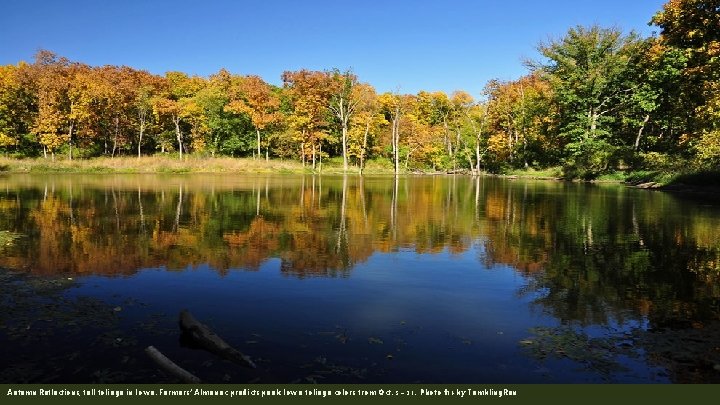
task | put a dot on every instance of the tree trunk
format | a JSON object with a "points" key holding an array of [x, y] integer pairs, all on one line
{"points": [[344, 146], [343, 109], [457, 148], [448, 141], [258, 143], [592, 121], [142, 131], [407, 159], [178, 134], [115, 137], [640, 131], [302, 153], [201, 335], [70, 139], [139, 143], [170, 367], [396, 140], [364, 147], [313, 156], [469, 158], [394, 145]]}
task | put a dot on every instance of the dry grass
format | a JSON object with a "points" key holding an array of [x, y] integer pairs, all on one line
{"points": [[167, 164], [151, 164]]}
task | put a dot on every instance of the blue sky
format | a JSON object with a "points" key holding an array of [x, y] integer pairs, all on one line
{"points": [[410, 45]]}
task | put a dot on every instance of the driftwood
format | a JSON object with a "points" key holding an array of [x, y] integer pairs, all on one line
{"points": [[203, 337], [169, 366]]}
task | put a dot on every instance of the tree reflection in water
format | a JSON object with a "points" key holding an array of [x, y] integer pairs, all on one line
{"points": [[589, 254]]}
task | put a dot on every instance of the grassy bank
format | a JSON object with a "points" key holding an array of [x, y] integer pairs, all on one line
{"points": [[658, 179], [532, 173], [165, 164], [702, 180]]}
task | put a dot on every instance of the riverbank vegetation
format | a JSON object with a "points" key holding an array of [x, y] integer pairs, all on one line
{"points": [[600, 101], [189, 164]]}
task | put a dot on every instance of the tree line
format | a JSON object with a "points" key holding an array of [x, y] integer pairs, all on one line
{"points": [[598, 101]]}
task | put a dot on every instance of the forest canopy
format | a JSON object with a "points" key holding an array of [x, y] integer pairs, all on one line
{"points": [[599, 100]]}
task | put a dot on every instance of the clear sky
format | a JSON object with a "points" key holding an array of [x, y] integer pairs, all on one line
{"points": [[410, 45]]}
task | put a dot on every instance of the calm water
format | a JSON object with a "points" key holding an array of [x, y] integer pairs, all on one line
{"points": [[331, 279]]}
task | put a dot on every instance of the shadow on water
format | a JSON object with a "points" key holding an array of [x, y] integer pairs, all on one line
{"points": [[349, 279]]}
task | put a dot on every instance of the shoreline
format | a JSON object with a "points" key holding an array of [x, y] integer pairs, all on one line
{"points": [[230, 165]]}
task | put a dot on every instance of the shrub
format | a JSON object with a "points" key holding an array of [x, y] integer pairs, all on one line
{"points": [[708, 150]]}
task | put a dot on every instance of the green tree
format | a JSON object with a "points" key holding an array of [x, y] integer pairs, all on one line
{"points": [[258, 100], [587, 69]]}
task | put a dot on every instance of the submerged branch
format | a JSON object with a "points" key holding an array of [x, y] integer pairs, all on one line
{"points": [[169, 366], [210, 341]]}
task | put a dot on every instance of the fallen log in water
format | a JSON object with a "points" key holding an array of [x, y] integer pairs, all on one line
{"points": [[169, 366], [202, 336]]}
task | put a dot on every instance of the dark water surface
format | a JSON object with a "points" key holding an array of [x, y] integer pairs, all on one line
{"points": [[376, 279]]}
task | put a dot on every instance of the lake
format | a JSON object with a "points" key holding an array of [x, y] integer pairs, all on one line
{"points": [[432, 279]]}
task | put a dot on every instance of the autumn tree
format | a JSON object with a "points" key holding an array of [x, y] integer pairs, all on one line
{"points": [[17, 105], [86, 92], [252, 96], [145, 88], [693, 26], [392, 108], [51, 122], [690, 31], [599, 100], [521, 122], [477, 121], [310, 93], [437, 110], [461, 102], [424, 131], [112, 117], [365, 123], [343, 104], [176, 104]]}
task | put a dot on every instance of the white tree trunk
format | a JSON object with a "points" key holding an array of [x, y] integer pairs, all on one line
{"points": [[178, 135]]}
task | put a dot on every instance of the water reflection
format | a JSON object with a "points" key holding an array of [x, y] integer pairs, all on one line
{"points": [[587, 256], [317, 226], [593, 252]]}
